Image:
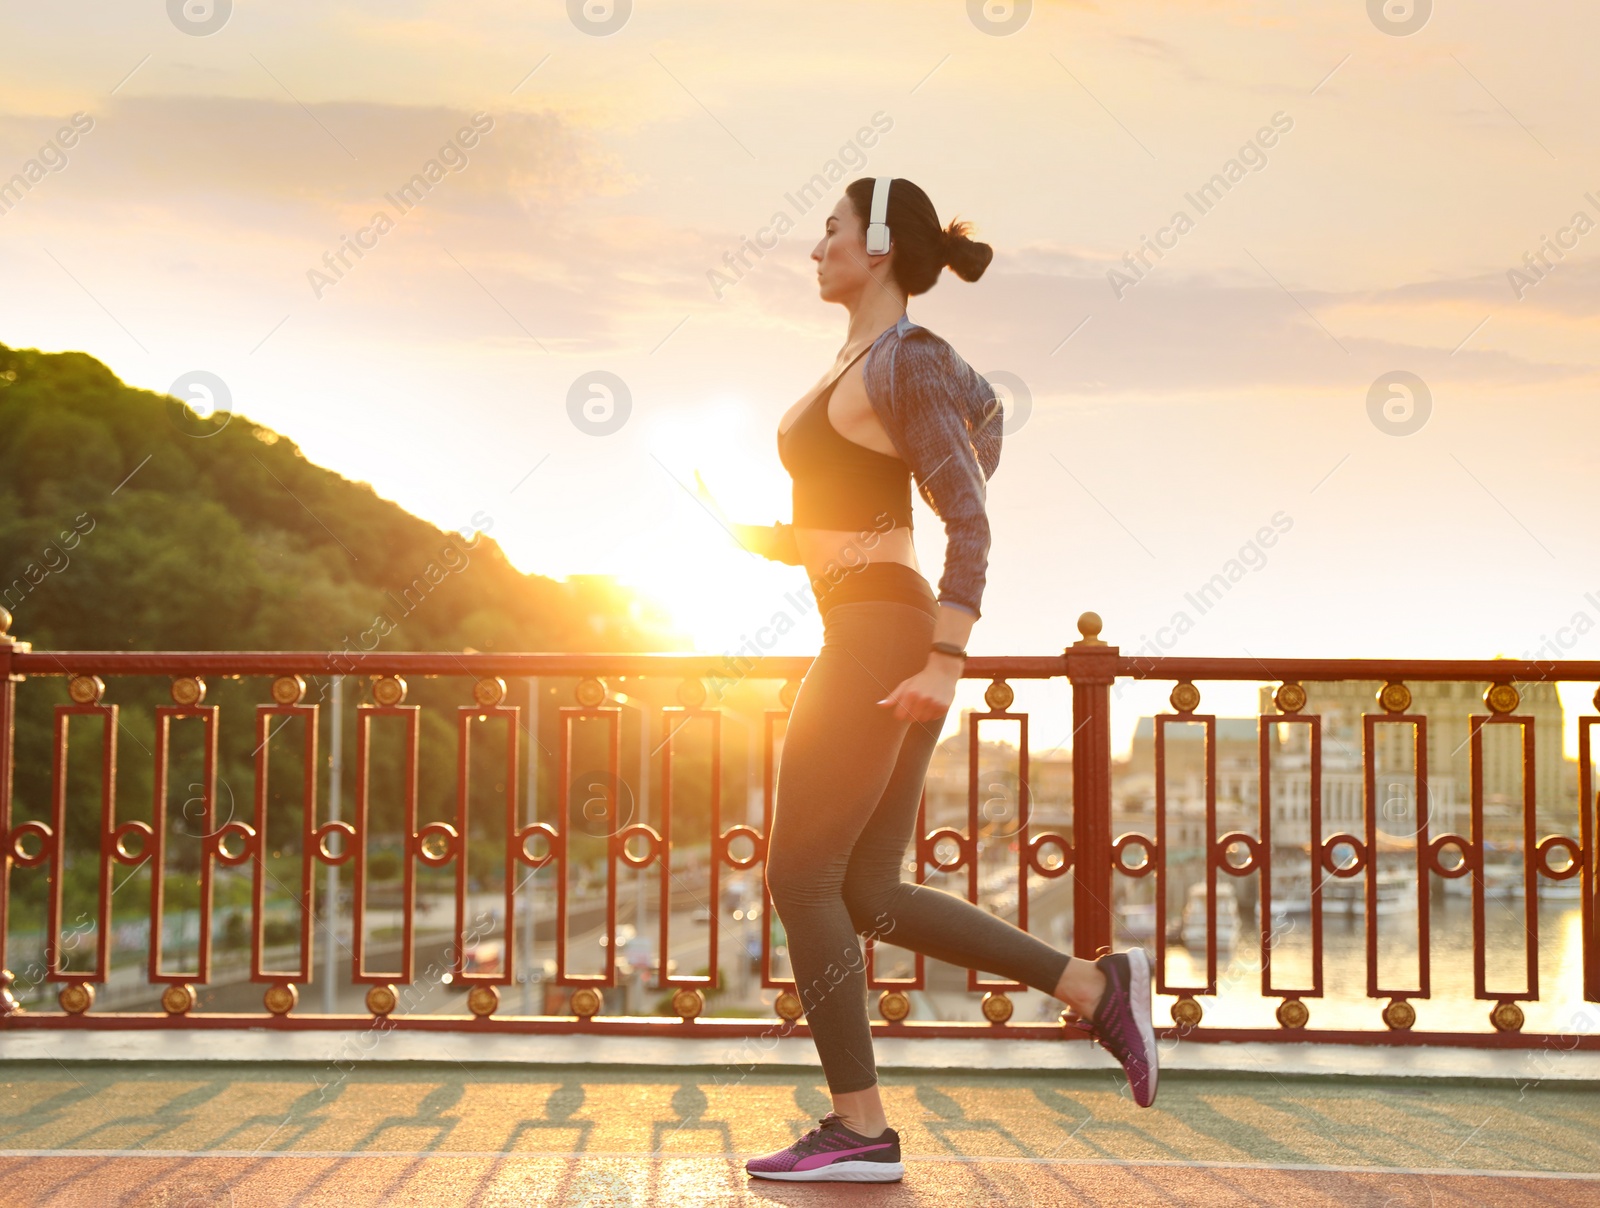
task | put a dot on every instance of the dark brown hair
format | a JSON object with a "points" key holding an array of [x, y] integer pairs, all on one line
{"points": [[921, 246]]}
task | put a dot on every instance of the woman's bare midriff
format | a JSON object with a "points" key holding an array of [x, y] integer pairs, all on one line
{"points": [[830, 553]]}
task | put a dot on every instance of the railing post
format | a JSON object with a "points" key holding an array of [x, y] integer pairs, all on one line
{"points": [[330, 878], [9, 646], [1091, 668]]}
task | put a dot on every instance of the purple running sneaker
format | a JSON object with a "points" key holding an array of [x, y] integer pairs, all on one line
{"points": [[832, 1153], [1121, 1023]]}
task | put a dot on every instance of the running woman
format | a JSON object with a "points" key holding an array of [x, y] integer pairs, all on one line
{"points": [[898, 403]]}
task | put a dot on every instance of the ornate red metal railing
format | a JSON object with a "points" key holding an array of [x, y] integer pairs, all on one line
{"points": [[1090, 853]]}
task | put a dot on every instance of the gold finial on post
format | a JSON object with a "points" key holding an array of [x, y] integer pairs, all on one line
{"points": [[1089, 626], [6, 640]]}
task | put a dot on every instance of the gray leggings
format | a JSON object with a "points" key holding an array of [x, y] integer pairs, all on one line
{"points": [[849, 781]]}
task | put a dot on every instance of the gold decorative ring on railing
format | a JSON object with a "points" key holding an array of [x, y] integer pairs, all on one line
{"points": [[1119, 854], [1399, 1015], [289, 689], [997, 1007], [586, 1002], [381, 1000], [758, 846], [692, 693], [789, 1007], [178, 998], [22, 831], [244, 832], [1566, 843], [326, 831], [930, 849], [1185, 698], [893, 1006], [652, 840], [541, 830], [1062, 845], [86, 689], [1464, 847], [1252, 846], [687, 1003], [1290, 698], [76, 997], [388, 690], [119, 842], [488, 692], [1506, 1016], [281, 997], [998, 696], [1187, 1013], [1357, 863], [1394, 697], [589, 692], [1293, 1014], [436, 844], [188, 690], [1501, 698], [483, 1000]]}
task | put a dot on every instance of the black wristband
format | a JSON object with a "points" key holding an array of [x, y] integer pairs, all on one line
{"points": [[950, 648]]}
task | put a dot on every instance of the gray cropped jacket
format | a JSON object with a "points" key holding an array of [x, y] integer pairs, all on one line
{"points": [[944, 421]]}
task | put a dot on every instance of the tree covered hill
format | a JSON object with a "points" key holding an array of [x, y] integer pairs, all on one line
{"points": [[127, 522]]}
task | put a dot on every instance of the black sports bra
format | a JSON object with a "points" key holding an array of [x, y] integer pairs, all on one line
{"points": [[839, 484]]}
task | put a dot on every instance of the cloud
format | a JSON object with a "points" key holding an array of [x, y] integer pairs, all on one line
{"points": [[1240, 333], [177, 149]]}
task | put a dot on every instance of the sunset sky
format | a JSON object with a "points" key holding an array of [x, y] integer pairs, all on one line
{"points": [[1373, 228]]}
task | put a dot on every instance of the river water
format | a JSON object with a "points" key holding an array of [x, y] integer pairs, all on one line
{"points": [[1451, 1005]]}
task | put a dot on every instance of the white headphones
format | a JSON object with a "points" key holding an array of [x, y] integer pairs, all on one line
{"points": [[877, 228]]}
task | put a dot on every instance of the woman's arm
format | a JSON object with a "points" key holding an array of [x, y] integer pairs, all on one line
{"points": [[774, 541], [928, 695], [932, 388]]}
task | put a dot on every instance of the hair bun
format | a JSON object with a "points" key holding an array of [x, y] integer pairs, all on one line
{"points": [[966, 257]]}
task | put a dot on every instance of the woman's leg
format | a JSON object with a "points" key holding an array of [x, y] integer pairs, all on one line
{"points": [[839, 752], [1112, 996], [930, 920]]}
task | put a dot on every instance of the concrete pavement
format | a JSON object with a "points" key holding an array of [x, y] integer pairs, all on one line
{"points": [[171, 1134]]}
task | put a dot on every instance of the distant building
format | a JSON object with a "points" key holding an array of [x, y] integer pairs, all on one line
{"points": [[1049, 783], [1186, 755], [1447, 707], [1238, 786]]}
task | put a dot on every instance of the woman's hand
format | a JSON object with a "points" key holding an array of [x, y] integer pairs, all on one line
{"points": [[928, 694], [774, 541]]}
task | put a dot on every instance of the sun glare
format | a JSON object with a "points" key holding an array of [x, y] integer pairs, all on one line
{"points": [[717, 593]]}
